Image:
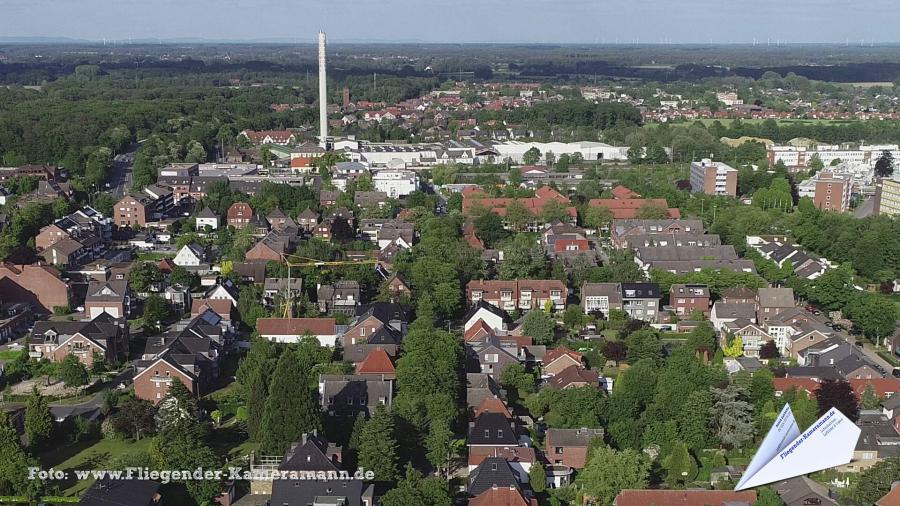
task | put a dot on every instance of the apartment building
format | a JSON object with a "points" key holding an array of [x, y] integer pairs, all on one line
{"points": [[522, 294], [829, 191], [713, 178], [639, 300], [887, 196]]}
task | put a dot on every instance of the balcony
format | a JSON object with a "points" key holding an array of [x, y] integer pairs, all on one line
{"points": [[35, 354]]}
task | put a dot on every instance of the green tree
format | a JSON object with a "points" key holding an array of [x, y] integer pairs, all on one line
{"points": [[539, 326], [875, 482], [537, 477], [518, 216], [732, 416], [414, 489], [523, 259], [608, 472], [532, 156], [142, 276], [156, 312], [884, 166], [179, 411], [554, 211], [489, 228], [514, 376], [134, 418], [680, 466], [644, 344], [597, 217], [869, 398], [694, 419], [14, 464], [73, 372], [652, 212], [38, 420], [378, 446], [515, 177], [290, 410], [767, 497]]}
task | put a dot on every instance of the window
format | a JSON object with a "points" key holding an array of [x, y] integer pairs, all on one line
{"points": [[558, 450], [499, 433], [487, 433]]}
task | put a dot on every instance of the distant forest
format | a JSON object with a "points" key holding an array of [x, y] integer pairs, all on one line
{"points": [[33, 64]]}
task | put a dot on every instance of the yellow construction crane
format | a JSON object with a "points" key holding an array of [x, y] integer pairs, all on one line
{"points": [[288, 298]]}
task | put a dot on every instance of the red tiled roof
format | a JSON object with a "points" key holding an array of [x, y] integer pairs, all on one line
{"points": [[892, 498], [626, 209], [785, 384], [557, 353], [221, 307], [510, 454], [477, 331], [492, 404], [376, 362], [475, 197], [301, 162], [882, 386], [296, 326], [572, 375], [500, 496], [623, 192], [683, 497], [166, 265]]}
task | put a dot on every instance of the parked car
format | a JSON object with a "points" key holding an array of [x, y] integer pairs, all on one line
{"points": [[896, 372]]}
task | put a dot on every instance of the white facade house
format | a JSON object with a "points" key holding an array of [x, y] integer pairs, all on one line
{"points": [[396, 183], [206, 218], [865, 155], [190, 255]]}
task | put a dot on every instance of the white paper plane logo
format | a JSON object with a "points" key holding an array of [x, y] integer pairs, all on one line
{"points": [[786, 453]]}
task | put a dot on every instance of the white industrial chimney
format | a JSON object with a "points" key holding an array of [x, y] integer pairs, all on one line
{"points": [[323, 95]]}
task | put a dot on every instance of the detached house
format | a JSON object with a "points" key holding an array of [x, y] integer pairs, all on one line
{"points": [[206, 218], [685, 299], [239, 215], [104, 336], [190, 255], [639, 300], [189, 356], [291, 330], [568, 447]]}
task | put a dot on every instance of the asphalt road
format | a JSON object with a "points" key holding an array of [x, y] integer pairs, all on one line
{"points": [[120, 176], [866, 208]]}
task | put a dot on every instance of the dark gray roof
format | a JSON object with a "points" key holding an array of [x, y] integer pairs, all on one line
{"points": [[572, 437], [309, 454], [493, 471], [108, 492], [640, 291], [206, 212], [492, 429], [306, 492]]}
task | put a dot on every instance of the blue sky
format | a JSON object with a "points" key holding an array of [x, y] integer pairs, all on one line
{"points": [[566, 21]]}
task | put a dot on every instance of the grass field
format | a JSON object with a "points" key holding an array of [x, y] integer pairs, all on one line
{"points": [[95, 454]]}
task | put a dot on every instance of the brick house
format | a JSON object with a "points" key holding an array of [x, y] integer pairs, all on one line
{"points": [[37, 284], [684, 299], [103, 336], [112, 297], [523, 294], [150, 205], [239, 215], [568, 447], [188, 356]]}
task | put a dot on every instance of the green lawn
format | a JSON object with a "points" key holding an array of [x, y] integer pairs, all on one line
{"points": [[96, 454], [10, 354], [153, 257]]}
